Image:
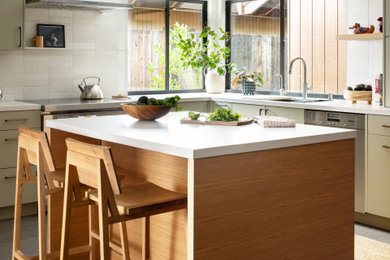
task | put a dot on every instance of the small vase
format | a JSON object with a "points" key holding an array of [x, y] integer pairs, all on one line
{"points": [[248, 87], [215, 84]]}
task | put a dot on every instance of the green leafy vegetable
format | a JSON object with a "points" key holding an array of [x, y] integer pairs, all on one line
{"points": [[224, 114], [169, 101]]}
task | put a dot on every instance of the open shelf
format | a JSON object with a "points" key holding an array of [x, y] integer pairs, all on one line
{"points": [[359, 37], [45, 48]]}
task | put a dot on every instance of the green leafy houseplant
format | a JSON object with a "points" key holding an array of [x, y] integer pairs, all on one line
{"points": [[196, 54], [241, 74], [178, 75]]}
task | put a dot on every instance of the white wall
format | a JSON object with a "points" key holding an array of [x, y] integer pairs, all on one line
{"points": [[364, 58], [96, 44]]}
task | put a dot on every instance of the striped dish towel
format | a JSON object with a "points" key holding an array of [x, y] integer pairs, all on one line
{"points": [[274, 122]]}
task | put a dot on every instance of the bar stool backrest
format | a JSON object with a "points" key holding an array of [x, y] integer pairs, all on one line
{"points": [[29, 140], [93, 164]]}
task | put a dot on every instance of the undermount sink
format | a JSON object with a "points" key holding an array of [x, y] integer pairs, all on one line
{"points": [[301, 100]]}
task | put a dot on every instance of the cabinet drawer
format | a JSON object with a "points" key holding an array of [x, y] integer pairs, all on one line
{"points": [[248, 110], [8, 148], [195, 106], [379, 125], [378, 176], [292, 113], [7, 188], [11, 120]]}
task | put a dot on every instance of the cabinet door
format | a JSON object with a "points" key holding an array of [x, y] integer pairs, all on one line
{"points": [[386, 17], [8, 148], [386, 63], [248, 110], [378, 176], [195, 106], [7, 188], [11, 24], [292, 113]]}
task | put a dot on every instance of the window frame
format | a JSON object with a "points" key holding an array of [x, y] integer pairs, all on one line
{"points": [[166, 20], [228, 29]]}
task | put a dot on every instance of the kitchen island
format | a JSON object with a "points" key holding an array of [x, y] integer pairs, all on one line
{"points": [[253, 193]]}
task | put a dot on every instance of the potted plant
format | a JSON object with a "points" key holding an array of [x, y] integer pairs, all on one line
{"points": [[207, 51], [249, 80]]}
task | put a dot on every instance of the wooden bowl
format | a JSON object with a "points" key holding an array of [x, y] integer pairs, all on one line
{"points": [[146, 112], [358, 96]]}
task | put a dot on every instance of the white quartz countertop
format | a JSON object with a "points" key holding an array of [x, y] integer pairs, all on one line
{"points": [[17, 106], [335, 105], [75, 104], [168, 135]]}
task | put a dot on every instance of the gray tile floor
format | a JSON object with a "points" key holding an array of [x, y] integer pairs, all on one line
{"points": [[29, 236]]}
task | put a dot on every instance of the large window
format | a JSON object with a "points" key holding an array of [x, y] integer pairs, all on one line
{"points": [[154, 63], [256, 32]]}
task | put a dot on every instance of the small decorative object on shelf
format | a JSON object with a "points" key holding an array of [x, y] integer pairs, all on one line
{"points": [[248, 80], [53, 35], [380, 20], [362, 30], [378, 94], [38, 41]]}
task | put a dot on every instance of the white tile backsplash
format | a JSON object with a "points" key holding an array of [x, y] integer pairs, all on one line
{"points": [[364, 58], [96, 44]]}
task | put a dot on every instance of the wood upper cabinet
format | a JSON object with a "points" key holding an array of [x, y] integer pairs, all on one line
{"points": [[11, 24]]}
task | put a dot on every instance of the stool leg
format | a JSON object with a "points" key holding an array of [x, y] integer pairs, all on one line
{"points": [[66, 214], [41, 211], [145, 238], [92, 227], [18, 209], [124, 241], [103, 226]]}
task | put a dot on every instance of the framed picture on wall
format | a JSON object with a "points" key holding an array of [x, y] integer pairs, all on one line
{"points": [[53, 35]]}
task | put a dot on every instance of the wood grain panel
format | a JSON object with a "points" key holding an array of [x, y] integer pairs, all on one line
{"points": [[168, 231], [319, 43], [331, 46], [295, 43], [307, 37], [293, 209], [342, 47]]}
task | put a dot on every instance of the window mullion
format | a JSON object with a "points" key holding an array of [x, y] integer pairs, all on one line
{"points": [[167, 45]]}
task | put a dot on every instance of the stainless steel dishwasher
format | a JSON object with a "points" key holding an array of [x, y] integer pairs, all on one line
{"points": [[350, 121]]}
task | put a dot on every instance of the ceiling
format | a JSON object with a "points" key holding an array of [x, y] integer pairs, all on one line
{"points": [[264, 8]]}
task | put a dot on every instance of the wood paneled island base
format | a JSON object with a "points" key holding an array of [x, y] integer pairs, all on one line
{"points": [[287, 203]]}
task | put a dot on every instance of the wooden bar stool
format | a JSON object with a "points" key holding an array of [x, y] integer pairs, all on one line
{"points": [[92, 165], [33, 149]]}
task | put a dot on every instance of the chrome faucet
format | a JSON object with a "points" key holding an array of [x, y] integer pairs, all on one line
{"points": [[305, 86], [281, 85]]}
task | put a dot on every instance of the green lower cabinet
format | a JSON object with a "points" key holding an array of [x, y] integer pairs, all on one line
{"points": [[7, 188], [248, 110], [291, 113], [195, 106]]}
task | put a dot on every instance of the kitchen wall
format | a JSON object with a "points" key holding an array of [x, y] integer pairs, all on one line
{"points": [[312, 29], [364, 58], [96, 44]]}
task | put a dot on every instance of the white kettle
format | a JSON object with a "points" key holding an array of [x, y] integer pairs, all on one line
{"points": [[90, 91]]}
